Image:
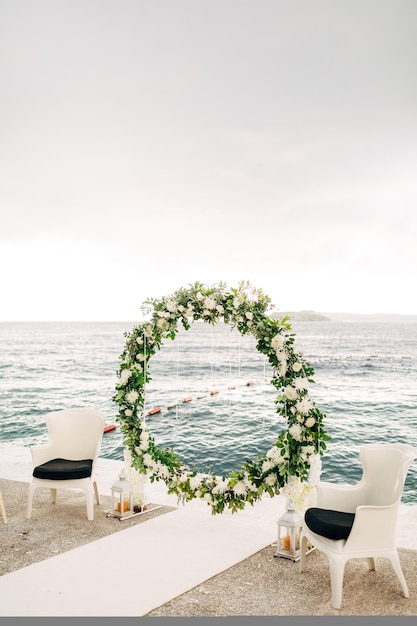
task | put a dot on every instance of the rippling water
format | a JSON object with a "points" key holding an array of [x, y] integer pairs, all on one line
{"points": [[365, 382]]}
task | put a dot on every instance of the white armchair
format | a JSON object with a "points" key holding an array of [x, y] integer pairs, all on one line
{"points": [[69, 458], [359, 521]]}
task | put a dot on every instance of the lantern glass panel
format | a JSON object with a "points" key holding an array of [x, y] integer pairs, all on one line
{"points": [[122, 497]]}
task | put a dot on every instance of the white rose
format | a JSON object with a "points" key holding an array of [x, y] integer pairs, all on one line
{"points": [[290, 393], [277, 342], [310, 421], [305, 405], [220, 309], [297, 367], [209, 303], [271, 479], [249, 315], [267, 465], [295, 431], [128, 413], [124, 376], [273, 453], [172, 306]]}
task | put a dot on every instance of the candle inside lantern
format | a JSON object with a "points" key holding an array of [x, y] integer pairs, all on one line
{"points": [[286, 543], [125, 506]]}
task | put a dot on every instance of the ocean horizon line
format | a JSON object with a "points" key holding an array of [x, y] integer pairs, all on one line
{"points": [[301, 315]]}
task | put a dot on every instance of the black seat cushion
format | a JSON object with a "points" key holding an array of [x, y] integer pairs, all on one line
{"points": [[328, 523], [63, 469]]}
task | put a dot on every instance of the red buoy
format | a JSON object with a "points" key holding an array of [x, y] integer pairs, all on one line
{"points": [[153, 411]]}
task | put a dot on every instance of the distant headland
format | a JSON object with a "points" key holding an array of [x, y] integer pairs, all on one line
{"points": [[314, 316], [301, 316]]}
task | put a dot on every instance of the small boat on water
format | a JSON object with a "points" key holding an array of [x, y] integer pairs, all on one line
{"points": [[154, 411]]}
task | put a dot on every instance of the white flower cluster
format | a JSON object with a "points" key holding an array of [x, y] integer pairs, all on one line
{"points": [[136, 479], [300, 493], [315, 470]]}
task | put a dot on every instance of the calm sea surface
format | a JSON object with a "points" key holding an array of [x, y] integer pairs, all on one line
{"points": [[365, 382]]}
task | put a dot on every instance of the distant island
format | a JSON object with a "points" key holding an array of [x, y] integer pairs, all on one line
{"points": [[314, 316], [301, 316]]}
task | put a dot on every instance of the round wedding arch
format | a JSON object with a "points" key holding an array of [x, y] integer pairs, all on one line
{"points": [[291, 465]]}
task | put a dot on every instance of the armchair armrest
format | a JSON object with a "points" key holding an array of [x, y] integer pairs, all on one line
{"points": [[42, 454], [373, 528], [345, 498]]}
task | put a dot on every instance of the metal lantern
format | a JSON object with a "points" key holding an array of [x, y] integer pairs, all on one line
{"points": [[122, 497], [289, 529]]}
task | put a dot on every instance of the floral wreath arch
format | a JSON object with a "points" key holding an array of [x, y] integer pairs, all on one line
{"points": [[291, 466]]}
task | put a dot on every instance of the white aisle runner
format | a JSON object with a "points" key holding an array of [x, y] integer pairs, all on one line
{"points": [[138, 569]]}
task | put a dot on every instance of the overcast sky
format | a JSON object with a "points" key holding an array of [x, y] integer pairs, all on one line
{"points": [[149, 144]]}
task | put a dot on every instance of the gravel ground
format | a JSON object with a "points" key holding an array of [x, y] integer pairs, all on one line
{"points": [[260, 585]]}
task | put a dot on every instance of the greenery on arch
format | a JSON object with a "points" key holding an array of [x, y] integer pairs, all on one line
{"points": [[291, 465]]}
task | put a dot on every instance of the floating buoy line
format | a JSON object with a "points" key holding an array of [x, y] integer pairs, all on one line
{"points": [[188, 399], [156, 410]]}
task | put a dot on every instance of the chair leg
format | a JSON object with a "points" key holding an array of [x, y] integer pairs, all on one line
{"points": [[371, 564], [337, 570], [53, 496], [303, 551], [90, 503], [3, 509], [395, 561], [96, 492]]}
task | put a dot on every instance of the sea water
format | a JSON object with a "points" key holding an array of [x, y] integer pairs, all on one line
{"points": [[365, 382]]}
